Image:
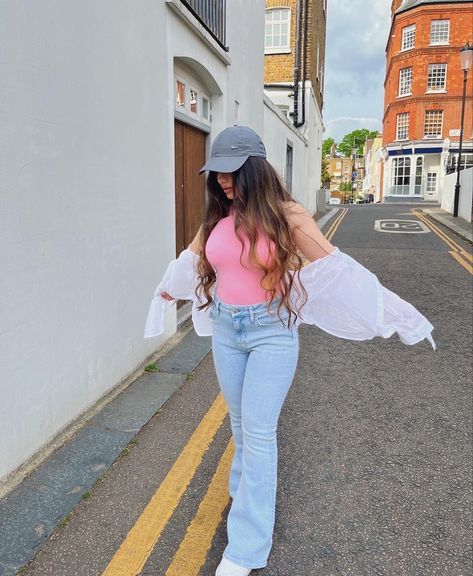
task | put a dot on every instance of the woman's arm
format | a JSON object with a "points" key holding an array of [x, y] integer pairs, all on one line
{"points": [[307, 235]]}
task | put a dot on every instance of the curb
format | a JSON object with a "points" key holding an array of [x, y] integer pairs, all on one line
{"points": [[465, 232], [34, 509]]}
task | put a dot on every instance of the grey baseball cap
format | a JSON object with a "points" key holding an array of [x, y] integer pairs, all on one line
{"points": [[232, 147]]}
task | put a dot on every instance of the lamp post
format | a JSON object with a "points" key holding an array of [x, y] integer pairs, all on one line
{"points": [[353, 170], [466, 58]]}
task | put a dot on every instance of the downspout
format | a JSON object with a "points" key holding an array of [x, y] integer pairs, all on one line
{"points": [[295, 114], [303, 22]]}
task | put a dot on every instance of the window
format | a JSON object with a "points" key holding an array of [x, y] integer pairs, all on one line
{"points": [[205, 108], [437, 78], [433, 124], [401, 176], [418, 182], [180, 93], [402, 126], [193, 101], [277, 28], [466, 162], [431, 187], [405, 81], [440, 32], [408, 37]]}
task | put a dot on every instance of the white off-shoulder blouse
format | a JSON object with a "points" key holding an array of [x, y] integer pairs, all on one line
{"points": [[344, 299]]}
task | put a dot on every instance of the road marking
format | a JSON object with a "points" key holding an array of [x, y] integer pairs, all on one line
{"points": [[460, 260], [193, 550], [135, 550], [396, 226], [457, 252], [336, 224]]}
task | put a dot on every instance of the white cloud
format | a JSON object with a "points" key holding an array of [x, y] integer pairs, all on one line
{"points": [[355, 64]]}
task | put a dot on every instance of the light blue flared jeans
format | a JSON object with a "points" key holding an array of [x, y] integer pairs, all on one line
{"points": [[255, 356]]}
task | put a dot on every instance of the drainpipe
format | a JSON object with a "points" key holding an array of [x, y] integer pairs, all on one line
{"points": [[295, 114], [303, 21]]}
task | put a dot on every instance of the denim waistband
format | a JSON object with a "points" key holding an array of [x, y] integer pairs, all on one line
{"points": [[251, 310]]}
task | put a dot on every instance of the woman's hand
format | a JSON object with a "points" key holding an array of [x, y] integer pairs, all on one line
{"points": [[166, 296]]}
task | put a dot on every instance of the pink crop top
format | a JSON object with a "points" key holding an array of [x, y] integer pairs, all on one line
{"points": [[236, 284]]}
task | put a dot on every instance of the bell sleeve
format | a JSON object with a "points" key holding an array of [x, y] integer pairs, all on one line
{"points": [[179, 280], [347, 300]]}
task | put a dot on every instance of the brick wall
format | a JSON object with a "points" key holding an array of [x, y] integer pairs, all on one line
{"points": [[280, 67], [419, 58]]}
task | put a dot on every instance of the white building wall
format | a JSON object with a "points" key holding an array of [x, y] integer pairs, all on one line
{"points": [[466, 193], [87, 188]]}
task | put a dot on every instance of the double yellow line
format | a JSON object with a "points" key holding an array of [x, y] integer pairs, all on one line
{"points": [[140, 541], [336, 223], [456, 251]]}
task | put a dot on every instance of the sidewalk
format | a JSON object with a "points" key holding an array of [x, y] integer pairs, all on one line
{"points": [[457, 225], [32, 511]]}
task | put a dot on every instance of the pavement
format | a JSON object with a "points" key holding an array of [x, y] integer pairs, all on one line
{"points": [[374, 443], [457, 225]]}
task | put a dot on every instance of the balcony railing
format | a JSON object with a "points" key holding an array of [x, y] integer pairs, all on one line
{"points": [[211, 14]]}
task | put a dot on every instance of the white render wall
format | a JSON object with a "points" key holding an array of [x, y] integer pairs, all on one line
{"points": [[87, 192], [466, 192]]}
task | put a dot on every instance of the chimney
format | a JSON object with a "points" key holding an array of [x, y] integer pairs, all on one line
{"points": [[395, 4]]}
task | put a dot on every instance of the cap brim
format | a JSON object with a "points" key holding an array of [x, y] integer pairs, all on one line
{"points": [[224, 164]]}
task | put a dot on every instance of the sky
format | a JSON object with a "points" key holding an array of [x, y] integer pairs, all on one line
{"points": [[357, 32]]}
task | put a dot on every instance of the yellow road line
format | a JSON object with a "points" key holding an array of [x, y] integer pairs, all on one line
{"points": [[456, 251], [460, 260], [336, 224], [141, 539], [192, 553]]}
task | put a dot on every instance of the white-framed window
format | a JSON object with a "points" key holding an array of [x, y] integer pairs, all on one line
{"points": [[405, 81], [437, 78], [190, 97], [402, 126], [440, 32], [401, 176], [408, 37], [180, 94], [431, 186], [193, 100], [433, 123], [419, 171], [277, 30]]}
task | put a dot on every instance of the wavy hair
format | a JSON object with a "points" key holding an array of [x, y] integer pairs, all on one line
{"points": [[258, 208]]}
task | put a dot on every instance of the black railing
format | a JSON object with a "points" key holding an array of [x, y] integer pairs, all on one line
{"points": [[211, 14]]}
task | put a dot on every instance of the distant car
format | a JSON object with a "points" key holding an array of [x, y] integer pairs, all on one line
{"points": [[334, 201]]}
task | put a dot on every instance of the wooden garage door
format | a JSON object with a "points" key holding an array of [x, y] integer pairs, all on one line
{"points": [[190, 186]]}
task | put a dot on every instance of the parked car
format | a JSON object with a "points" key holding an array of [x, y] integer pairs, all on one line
{"points": [[334, 201]]}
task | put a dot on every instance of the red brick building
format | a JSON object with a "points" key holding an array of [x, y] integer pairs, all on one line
{"points": [[423, 93]]}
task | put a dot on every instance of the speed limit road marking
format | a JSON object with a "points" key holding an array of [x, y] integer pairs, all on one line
{"points": [[394, 226]]}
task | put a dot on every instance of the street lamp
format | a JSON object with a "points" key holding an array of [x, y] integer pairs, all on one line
{"points": [[466, 58], [354, 150]]}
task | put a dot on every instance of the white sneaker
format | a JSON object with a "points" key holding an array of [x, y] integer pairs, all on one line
{"points": [[229, 568]]}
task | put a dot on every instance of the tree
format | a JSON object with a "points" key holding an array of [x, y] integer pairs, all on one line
{"points": [[356, 138], [327, 147], [325, 176]]}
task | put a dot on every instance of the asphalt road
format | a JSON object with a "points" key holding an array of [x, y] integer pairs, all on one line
{"points": [[374, 442]]}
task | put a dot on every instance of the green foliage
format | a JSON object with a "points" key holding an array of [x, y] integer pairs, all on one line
{"points": [[356, 138], [345, 187], [325, 176], [327, 147], [153, 367]]}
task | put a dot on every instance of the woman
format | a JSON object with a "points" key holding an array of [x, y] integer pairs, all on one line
{"points": [[244, 271]]}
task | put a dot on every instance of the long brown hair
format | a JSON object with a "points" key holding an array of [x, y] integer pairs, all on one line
{"points": [[258, 208]]}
